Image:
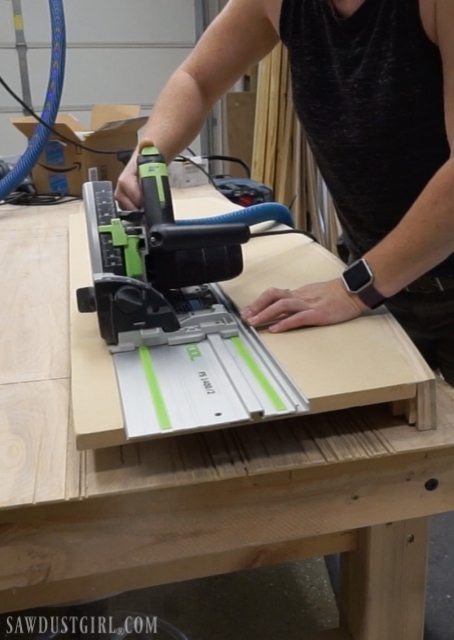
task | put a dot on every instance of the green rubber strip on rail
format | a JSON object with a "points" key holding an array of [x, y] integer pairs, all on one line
{"points": [[258, 374], [155, 391]]}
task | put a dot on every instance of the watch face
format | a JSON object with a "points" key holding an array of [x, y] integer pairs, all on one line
{"points": [[358, 276]]}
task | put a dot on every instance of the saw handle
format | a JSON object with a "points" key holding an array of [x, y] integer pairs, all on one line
{"points": [[197, 236], [154, 180]]}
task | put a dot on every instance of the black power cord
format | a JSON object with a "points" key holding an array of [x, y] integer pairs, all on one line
{"points": [[52, 129], [263, 234], [32, 199], [191, 161], [122, 154], [230, 159], [20, 198]]}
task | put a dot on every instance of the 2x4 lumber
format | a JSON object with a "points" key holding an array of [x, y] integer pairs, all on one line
{"points": [[383, 582], [29, 586]]}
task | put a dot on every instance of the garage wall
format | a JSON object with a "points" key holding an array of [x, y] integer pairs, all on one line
{"points": [[119, 51]]}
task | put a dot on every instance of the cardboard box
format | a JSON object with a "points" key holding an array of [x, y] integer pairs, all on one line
{"points": [[64, 167]]}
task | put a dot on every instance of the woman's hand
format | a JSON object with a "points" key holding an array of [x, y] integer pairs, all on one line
{"points": [[320, 303], [128, 192]]}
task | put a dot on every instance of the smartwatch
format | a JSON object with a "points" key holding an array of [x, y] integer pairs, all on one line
{"points": [[358, 278]]}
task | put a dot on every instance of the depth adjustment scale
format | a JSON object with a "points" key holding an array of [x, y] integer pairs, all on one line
{"points": [[184, 360]]}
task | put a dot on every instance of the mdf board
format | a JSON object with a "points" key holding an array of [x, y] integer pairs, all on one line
{"points": [[365, 361]]}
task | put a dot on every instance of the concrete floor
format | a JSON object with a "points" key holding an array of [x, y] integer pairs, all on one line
{"points": [[285, 602], [277, 602], [440, 588]]}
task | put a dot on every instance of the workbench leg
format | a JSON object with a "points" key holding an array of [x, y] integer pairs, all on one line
{"points": [[383, 582]]}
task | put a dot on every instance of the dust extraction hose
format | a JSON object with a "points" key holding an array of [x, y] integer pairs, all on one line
{"points": [[264, 212], [51, 105]]}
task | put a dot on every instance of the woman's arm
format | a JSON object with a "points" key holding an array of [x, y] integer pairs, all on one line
{"points": [[241, 35]]}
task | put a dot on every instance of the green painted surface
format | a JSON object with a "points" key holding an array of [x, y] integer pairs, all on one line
{"points": [[154, 169], [258, 374], [117, 231], [132, 255], [133, 258], [155, 390]]}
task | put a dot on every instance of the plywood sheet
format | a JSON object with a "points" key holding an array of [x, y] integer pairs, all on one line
{"points": [[33, 450], [365, 361], [33, 345]]}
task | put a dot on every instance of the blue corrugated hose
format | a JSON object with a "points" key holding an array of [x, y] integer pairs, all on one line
{"points": [[250, 215], [51, 105]]}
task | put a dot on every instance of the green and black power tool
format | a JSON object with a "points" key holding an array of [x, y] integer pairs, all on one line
{"points": [[141, 260]]}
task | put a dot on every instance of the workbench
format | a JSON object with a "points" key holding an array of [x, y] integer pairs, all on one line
{"points": [[81, 525]]}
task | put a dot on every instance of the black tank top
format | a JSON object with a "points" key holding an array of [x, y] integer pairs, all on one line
{"points": [[368, 90]]}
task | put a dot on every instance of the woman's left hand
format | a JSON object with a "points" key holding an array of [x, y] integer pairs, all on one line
{"points": [[320, 303]]}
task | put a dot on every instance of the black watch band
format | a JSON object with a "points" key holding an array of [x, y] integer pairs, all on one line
{"points": [[371, 297], [358, 278]]}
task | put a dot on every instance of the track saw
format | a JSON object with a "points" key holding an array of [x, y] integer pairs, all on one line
{"points": [[184, 360]]}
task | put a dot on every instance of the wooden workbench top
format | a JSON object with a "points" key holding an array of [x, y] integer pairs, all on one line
{"points": [[38, 460]]}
